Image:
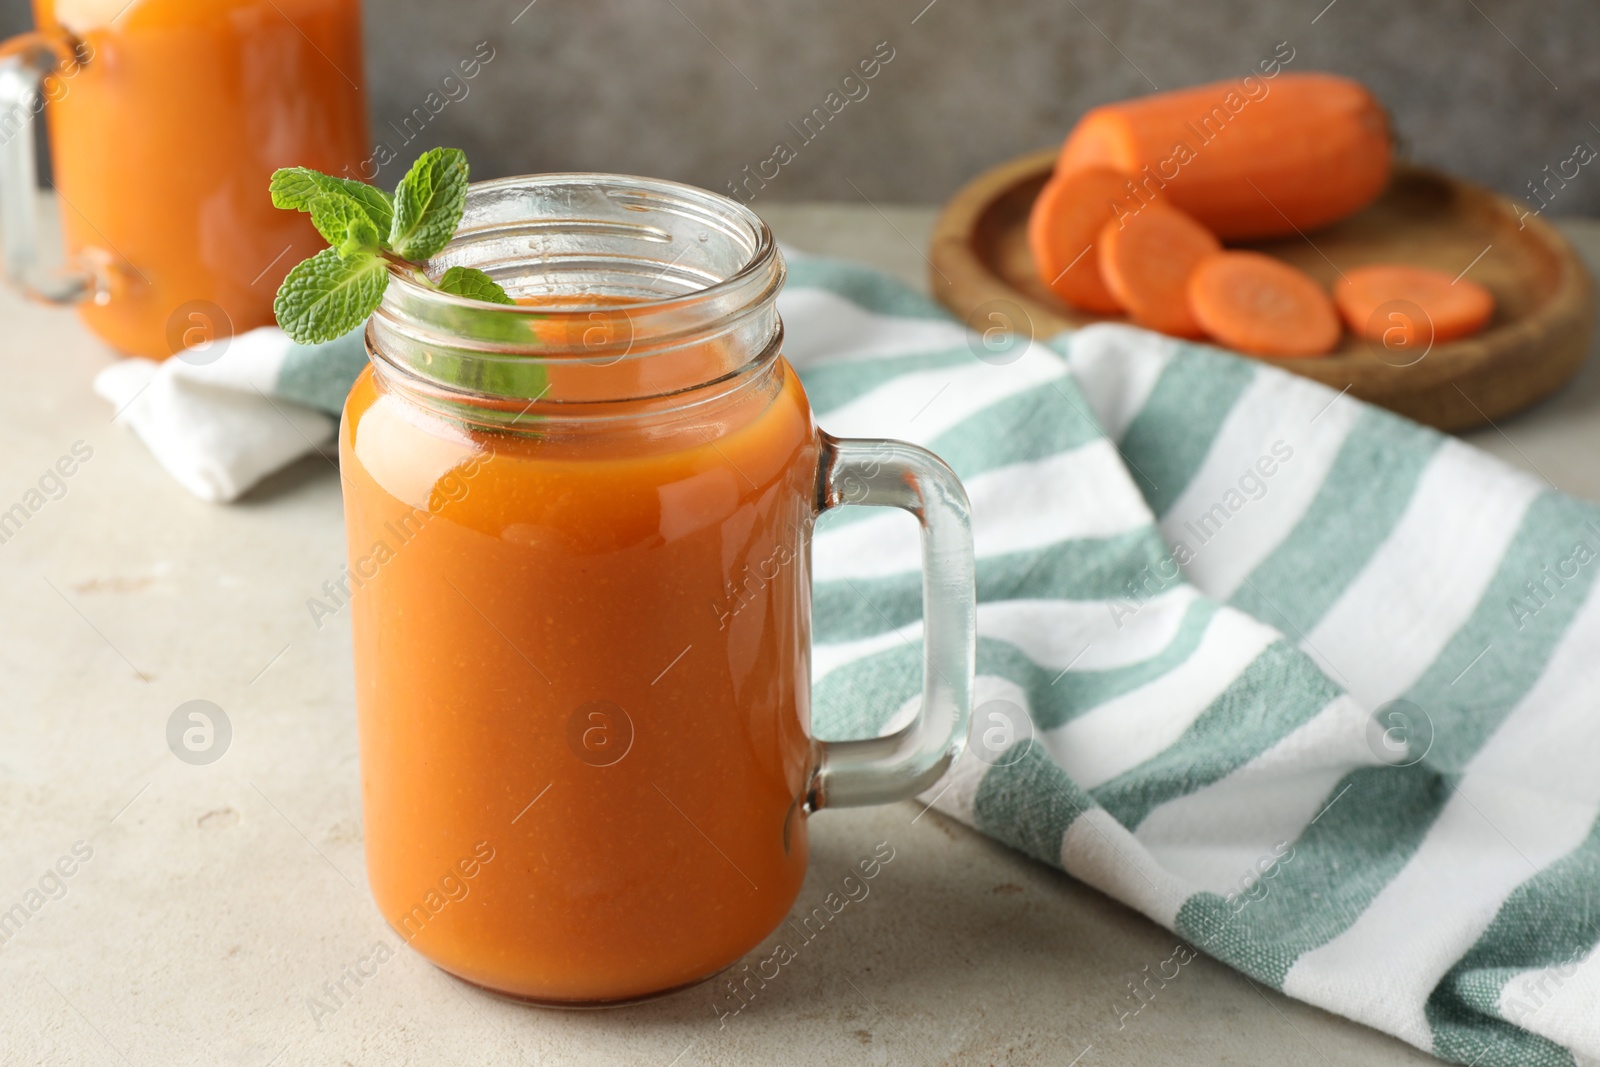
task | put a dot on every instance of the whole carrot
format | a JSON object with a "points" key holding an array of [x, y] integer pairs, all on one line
{"points": [[1247, 159]]}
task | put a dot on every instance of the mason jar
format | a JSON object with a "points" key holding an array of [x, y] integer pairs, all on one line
{"points": [[579, 538]]}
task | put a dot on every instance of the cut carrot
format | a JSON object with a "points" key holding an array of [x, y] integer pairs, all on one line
{"points": [[1248, 158], [1062, 231], [1146, 260], [1258, 304], [1398, 305]]}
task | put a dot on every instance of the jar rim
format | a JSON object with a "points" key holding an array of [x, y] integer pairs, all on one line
{"points": [[653, 274], [765, 245]]}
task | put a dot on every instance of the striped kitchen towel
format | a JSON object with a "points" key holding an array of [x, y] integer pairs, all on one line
{"points": [[1312, 686]]}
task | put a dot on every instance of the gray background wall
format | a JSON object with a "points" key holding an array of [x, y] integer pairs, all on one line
{"points": [[695, 89]]}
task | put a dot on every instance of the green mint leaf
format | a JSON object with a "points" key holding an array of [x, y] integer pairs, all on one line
{"points": [[474, 284], [363, 240], [428, 203], [327, 296], [344, 224], [295, 187]]}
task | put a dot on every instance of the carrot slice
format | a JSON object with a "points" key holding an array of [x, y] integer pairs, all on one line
{"points": [[1378, 301], [1062, 233], [1146, 260], [1258, 304]]}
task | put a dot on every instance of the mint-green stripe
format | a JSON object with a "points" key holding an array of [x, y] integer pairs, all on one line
{"points": [[871, 289], [1481, 1040], [1494, 1043], [321, 375], [1063, 697], [1167, 441], [1362, 498], [871, 688], [1029, 804], [1549, 921], [1280, 690], [1375, 819], [1023, 427], [1072, 570], [830, 386], [858, 699], [1020, 428], [1467, 700]]}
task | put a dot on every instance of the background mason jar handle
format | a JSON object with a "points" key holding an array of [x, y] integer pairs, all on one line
{"points": [[25, 61], [908, 761]]}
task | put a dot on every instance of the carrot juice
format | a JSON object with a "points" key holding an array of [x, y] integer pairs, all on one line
{"points": [[579, 540], [163, 141], [559, 656]]}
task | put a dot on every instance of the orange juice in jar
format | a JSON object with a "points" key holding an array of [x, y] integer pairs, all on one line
{"points": [[167, 118], [579, 555]]}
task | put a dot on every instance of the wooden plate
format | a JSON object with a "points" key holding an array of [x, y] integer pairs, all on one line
{"points": [[1540, 334]]}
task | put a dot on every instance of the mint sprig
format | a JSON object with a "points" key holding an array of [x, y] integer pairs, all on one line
{"points": [[335, 290]]}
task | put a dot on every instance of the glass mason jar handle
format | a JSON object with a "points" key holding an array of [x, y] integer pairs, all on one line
{"points": [[902, 764], [25, 62]]}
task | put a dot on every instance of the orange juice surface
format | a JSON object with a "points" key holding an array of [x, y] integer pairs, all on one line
{"points": [[581, 667], [165, 138]]}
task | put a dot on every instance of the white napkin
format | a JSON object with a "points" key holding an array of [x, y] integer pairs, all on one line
{"points": [[212, 420]]}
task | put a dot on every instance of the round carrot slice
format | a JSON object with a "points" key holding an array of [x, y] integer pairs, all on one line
{"points": [[1397, 305], [1258, 304], [1062, 232], [1146, 260]]}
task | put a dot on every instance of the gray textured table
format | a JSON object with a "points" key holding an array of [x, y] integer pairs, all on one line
{"points": [[213, 912]]}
